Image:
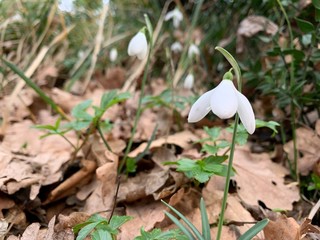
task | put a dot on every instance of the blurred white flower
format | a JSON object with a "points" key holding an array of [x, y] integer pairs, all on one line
{"points": [[193, 50], [106, 2], [66, 5], [189, 81], [138, 46], [113, 54], [224, 101], [176, 16], [176, 47]]}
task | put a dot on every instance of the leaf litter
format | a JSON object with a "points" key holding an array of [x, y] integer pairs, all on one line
{"points": [[43, 184]]}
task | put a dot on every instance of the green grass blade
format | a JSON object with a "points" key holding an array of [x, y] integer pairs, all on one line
{"points": [[248, 235], [35, 87], [190, 225], [204, 221], [186, 231]]}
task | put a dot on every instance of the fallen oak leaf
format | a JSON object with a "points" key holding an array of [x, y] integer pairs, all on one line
{"points": [[282, 228], [259, 179]]}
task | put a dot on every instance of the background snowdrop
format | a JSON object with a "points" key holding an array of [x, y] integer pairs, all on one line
{"points": [[189, 81], [66, 5], [176, 16], [176, 47], [113, 54], [138, 46], [193, 50]]}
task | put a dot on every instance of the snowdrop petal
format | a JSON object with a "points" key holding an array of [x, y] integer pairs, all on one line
{"points": [[138, 46], [142, 55], [200, 108], [246, 113], [224, 101], [178, 15]]}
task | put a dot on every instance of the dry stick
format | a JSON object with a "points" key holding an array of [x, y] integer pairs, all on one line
{"points": [[87, 169], [115, 199], [97, 47], [314, 210], [45, 31], [35, 64]]}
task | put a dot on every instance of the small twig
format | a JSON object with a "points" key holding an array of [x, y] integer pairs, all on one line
{"points": [[97, 47], [314, 210], [115, 199]]}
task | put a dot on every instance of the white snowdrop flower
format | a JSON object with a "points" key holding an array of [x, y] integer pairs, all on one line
{"points": [[189, 81], [176, 16], [176, 47], [193, 50], [113, 54], [224, 101], [66, 6], [138, 46]]}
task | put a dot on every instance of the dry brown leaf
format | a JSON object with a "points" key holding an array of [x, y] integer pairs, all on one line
{"points": [[259, 179], [308, 143], [63, 230], [307, 228], [45, 73], [182, 139], [282, 228], [145, 214], [31, 232], [147, 123], [142, 185], [19, 109], [250, 26], [113, 79]]}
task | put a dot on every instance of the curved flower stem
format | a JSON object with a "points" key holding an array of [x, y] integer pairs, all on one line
{"points": [[226, 189]]}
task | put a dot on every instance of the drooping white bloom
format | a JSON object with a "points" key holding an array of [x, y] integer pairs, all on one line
{"points": [[138, 46], [193, 50], [113, 54], [176, 16], [66, 5], [176, 47], [189, 81], [224, 101]]}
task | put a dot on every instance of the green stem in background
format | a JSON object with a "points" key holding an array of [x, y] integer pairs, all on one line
{"points": [[36, 88], [226, 189], [291, 86], [143, 84]]}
